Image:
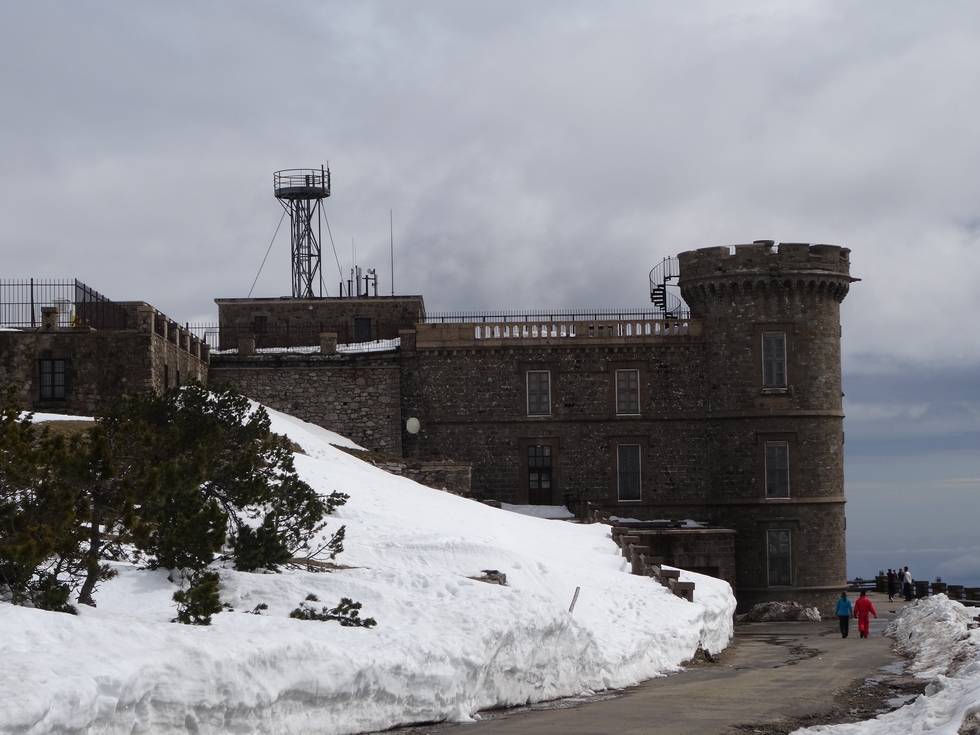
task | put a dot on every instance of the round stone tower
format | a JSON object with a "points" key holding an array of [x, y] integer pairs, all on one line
{"points": [[772, 373]]}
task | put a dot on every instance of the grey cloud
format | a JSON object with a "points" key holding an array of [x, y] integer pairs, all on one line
{"points": [[534, 155]]}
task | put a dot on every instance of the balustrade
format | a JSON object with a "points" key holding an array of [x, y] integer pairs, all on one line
{"points": [[593, 330]]}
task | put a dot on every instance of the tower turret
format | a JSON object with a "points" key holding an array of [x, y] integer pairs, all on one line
{"points": [[771, 321]]}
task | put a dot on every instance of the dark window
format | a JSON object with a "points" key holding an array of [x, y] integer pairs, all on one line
{"points": [[166, 377], [539, 475], [538, 393], [362, 329], [628, 392], [629, 471], [780, 557], [777, 470], [773, 359], [260, 324], [52, 380]]}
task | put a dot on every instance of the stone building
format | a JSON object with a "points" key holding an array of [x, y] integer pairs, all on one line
{"points": [[730, 416], [288, 322], [71, 350]]}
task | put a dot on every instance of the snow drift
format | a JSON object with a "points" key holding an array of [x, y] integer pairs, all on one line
{"points": [[446, 645]]}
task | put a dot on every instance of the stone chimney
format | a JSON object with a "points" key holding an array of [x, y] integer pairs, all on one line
{"points": [[49, 318]]}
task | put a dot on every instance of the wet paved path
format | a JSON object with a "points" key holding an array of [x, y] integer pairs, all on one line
{"points": [[773, 674]]}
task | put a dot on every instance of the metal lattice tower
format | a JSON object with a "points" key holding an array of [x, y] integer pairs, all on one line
{"points": [[299, 191]]}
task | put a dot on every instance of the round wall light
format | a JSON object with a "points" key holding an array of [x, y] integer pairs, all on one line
{"points": [[413, 425]]}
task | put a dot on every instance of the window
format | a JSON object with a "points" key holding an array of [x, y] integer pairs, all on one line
{"points": [[628, 392], [362, 329], [774, 360], [777, 469], [538, 392], [539, 475], [628, 470], [780, 557], [52, 374], [260, 324]]}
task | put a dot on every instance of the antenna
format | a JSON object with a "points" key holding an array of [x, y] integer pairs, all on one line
{"points": [[300, 191]]}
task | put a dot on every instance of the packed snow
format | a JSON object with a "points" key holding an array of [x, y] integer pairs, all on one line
{"points": [[377, 345], [558, 512], [943, 642], [446, 645]]}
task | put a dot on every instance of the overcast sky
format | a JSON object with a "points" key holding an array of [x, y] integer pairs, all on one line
{"points": [[537, 154]]}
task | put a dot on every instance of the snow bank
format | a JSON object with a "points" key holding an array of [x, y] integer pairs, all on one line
{"points": [[936, 633], [445, 645], [40, 418]]}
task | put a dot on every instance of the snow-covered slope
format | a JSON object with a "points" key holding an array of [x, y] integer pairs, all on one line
{"points": [[939, 637], [445, 645]]}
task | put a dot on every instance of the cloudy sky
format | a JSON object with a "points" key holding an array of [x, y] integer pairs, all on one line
{"points": [[532, 155]]}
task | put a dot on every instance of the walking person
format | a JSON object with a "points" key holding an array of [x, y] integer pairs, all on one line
{"points": [[892, 579], [844, 611], [862, 609], [907, 584]]}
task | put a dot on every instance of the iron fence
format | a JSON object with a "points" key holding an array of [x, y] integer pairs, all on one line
{"points": [[78, 305], [206, 332], [553, 315]]}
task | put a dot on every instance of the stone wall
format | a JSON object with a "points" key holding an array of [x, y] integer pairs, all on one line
{"points": [[100, 366], [709, 551], [473, 407], [292, 322], [448, 476], [357, 396]]}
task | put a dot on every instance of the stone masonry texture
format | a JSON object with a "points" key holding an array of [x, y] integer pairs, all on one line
{"points": [[356, 396], [701, 430]]}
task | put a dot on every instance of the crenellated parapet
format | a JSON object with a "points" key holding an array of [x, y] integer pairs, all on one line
{"points": [[763, 269]]}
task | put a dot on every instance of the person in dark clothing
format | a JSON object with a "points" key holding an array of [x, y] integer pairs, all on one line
{"points": [[892, 579], [844, 611]]}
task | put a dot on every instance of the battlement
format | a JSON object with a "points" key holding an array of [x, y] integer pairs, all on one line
{"points": [[763, 257], [760, 269]]}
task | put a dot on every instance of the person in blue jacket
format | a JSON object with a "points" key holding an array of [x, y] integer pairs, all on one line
{"points": [[844, 611]]}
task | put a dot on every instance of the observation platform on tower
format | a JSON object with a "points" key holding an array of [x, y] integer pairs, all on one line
{"points": [[302, 183]]}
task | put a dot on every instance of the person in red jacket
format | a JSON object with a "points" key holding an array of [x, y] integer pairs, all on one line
{"points": [[862, 609]]}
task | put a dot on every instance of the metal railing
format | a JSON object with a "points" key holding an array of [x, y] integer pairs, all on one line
{"points": [[78, 305], [206, 332], [302, 183], [545, 315]]}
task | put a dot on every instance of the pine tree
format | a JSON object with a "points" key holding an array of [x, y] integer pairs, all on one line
{"points": [[181, 476], [40, 550], [200, 600]]}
